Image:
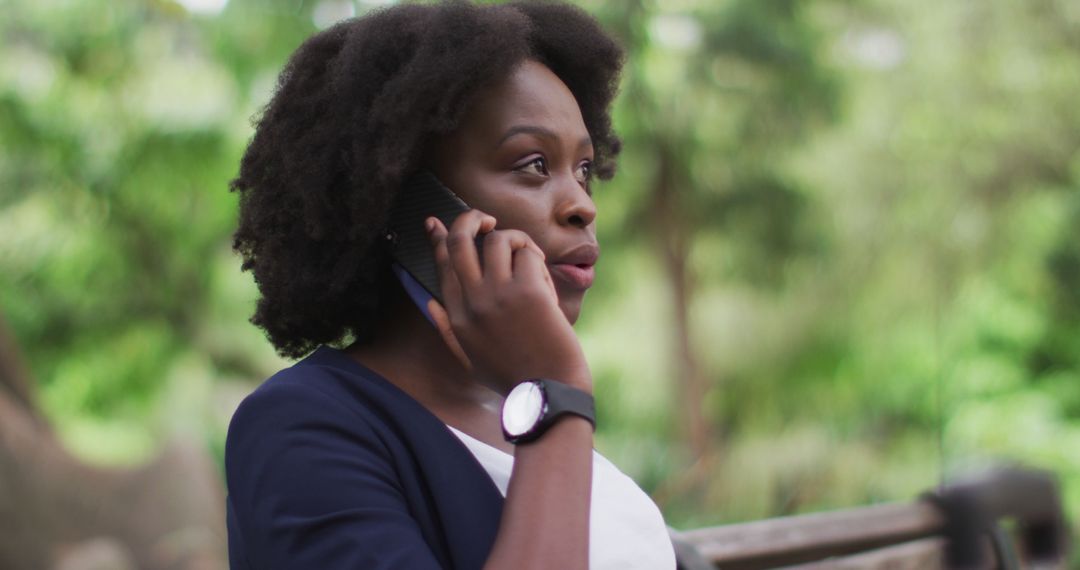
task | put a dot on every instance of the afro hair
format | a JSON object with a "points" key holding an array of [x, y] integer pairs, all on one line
{"points": [[353, 113]]}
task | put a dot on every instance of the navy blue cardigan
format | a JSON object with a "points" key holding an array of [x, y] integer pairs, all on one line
{"points": [[331, 466]]}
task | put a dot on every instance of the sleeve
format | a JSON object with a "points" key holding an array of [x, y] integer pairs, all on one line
{"points": [[311, 486]]}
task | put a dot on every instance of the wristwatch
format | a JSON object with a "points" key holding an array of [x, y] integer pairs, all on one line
{"points": [[534, 405]]}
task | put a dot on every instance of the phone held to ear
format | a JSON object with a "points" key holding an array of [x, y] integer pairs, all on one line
{"points": [[422, 196]]}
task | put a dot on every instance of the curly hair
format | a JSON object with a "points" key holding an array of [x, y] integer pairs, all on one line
{"points": [[353, 113]]}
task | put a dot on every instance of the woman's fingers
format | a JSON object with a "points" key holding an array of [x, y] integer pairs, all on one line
{"points": [[448, 279], [461, 245], [501, 318], [509, 257], [532, 245], [529, 267], [499, 248]]}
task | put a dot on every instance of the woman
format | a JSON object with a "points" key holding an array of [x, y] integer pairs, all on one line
{"points": [[391, 453]]}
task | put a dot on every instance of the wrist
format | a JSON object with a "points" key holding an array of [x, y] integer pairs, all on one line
{"points": [[574, 374], [578, 378], [581, 382], [535, 405]]}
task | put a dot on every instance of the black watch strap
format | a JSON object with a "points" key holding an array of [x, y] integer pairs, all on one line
{"points": [[559, 400], [563, 399]]}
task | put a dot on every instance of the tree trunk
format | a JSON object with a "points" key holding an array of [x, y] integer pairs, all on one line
{"points": [[56, 512], [14, 374], [672, 239]]}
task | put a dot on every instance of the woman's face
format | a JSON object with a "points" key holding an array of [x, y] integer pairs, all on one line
{"points": [[523, 154]]}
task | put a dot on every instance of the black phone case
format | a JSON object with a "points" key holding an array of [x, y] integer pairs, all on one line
{"points": [[422, 196]]}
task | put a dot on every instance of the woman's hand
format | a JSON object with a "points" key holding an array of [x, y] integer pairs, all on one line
{"points": [[502, 318]]}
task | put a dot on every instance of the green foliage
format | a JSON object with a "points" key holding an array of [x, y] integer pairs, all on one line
{"points": [[121, 134], [879, 203]]}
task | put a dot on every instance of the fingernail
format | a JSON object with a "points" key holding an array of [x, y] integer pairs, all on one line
{"points": [[429, 225]]}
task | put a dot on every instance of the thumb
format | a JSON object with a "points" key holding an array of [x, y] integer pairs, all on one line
{"points": [[442, 324]]}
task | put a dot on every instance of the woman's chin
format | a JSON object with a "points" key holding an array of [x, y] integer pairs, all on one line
{"points": [[571, 307]]}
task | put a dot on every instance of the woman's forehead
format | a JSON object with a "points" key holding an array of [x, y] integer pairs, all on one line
{"points": [[532, 97]]}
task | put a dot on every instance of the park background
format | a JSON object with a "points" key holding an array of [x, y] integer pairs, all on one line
{"points": [[841, 256]]}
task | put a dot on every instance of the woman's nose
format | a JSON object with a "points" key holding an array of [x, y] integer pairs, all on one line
{"points": [[576, 206]]}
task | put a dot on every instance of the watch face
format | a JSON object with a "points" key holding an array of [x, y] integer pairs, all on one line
{"points": [[522, 408]]}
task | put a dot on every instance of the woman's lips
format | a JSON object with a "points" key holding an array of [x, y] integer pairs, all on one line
{"points": [[576, 276]]}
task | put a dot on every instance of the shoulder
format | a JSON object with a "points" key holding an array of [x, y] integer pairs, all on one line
{"points": [[308, 423], [314, 475], [307, 414], [326, 387], [288, 400], [325, 403], [300, 387], [310, 397]]}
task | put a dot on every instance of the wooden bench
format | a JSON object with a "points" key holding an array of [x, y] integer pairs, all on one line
{"points": [[956, 527]]}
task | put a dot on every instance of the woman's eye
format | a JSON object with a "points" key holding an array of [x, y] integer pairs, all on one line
{"points": [[583, 172], [535, 166]]}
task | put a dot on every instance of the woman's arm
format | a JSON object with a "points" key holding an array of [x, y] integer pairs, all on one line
{"points": [[545, 521], [503, 321]]}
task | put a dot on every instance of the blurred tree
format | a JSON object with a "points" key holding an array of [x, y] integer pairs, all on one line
{"points": [[120, 132], [716, 95], [168, 514]]}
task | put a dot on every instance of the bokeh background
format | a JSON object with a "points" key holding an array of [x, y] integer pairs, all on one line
{"points": [[841, 257]]}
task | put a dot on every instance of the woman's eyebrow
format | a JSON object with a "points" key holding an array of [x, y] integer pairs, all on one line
{"points": [[542, 132]]}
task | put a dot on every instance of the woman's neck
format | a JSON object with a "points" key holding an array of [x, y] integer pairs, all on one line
{"points": [[411, 354]]}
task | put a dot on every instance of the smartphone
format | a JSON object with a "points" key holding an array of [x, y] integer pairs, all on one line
{"points": [[422, 196]]}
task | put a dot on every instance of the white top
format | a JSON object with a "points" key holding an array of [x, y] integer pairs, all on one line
{"points": [[626, 529]]}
